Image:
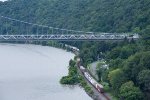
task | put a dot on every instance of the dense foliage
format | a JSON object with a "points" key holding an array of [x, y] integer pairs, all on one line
{"points": [[88, 15], [129, 92], [72, 77]]}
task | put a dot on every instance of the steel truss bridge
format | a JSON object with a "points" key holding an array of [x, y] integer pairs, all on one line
{"points": [[18, 30]]}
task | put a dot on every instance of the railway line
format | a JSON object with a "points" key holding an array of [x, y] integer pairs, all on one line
{"points": [[99, 93], [97, 88]]}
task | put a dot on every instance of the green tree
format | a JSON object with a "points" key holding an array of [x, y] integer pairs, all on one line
{"points": [[144, 80], [135, 64], [72, 63], [145, 60], [136, 30], [116, 78], [129, 92]]}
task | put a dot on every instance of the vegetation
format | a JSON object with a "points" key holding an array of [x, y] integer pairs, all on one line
{"points": [[128, 61], [89, 15], [116, 78], [144, 80], [73, 76], [129, 92]]}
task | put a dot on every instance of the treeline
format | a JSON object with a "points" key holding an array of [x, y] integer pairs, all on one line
{"points": [[86, 15], [129, 66], [129, 71]]}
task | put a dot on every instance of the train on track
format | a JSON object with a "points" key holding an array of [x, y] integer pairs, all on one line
{"points": [[98, 86]]}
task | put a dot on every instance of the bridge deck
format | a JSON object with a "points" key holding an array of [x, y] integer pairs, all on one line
{"points": [[63, 37]]}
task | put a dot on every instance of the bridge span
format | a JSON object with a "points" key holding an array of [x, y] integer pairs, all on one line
{"points": [[70, 37], [18, 30]]}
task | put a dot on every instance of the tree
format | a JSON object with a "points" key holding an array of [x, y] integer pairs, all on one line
{"points": [[145, 60], [144, 80], [134, 64], [72, 63], [116, 78], [136, 30], [101, 70], [129, 92], [114, 53]]}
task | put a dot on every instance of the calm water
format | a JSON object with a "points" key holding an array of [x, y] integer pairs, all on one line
{"points": [[31, 72]]}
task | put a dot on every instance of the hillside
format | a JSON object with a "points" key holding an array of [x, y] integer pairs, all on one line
{"points": [[89, 15]]}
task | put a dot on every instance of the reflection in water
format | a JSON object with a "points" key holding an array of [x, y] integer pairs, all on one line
{"points": [[32, 72]]}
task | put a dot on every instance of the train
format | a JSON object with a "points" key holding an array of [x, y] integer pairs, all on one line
{"points": [[98, 86], [74, 49]]}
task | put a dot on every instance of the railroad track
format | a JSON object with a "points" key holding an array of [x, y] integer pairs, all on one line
{"points": [[101, 96]]}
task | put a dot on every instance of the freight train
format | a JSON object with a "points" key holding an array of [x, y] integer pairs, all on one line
{"points": [[98, 86]]}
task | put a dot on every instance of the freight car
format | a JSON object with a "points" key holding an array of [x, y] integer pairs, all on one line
{"points": [[98, 86]]}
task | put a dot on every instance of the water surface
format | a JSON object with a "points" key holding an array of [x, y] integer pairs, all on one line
{"points": [[32, 72]]}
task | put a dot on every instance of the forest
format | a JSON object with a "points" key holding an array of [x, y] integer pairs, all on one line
{"points": [[129, 62]]}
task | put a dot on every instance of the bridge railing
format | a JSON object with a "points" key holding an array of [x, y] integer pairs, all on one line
{"points": [[66, 37]]}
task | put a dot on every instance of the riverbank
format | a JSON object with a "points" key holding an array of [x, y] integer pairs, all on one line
{"points": [[74, 77]]}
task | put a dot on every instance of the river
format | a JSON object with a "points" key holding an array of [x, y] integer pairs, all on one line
{"points": [[32, 72]]}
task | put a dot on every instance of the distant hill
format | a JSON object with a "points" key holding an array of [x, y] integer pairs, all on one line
{"points": [[90, 15]]}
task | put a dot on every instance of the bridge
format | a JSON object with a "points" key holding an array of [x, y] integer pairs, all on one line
{"points": [[17, 30]]}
